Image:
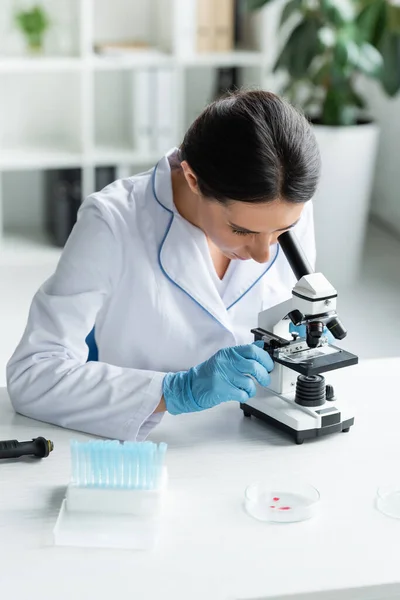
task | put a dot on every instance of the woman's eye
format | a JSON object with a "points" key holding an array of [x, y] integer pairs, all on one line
{"points": [[239, 232]]}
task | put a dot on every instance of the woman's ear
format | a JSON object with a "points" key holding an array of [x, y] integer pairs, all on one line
{"points": [[190, 177]]}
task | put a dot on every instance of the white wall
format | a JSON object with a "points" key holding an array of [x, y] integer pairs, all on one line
{"points": [[386, 195], [34, 106], [120, 20], [113, 96]]}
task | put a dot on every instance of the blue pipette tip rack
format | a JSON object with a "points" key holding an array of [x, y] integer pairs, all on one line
{"points": [[115, 465], [115, 495]]}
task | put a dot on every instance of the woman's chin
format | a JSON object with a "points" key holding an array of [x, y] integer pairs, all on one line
{"points": [[234, 256]]}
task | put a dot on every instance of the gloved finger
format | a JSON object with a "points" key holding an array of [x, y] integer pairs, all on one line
{"points": [[253, 369], [239, 395], [254, 352], [260, 344], [243, 383]]}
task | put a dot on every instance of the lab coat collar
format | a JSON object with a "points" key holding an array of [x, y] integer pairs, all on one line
{"points": [[247, 274], [182, 257], [180, 253], [162, 184]]}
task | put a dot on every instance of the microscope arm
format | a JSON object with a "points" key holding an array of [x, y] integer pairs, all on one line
{"points": [[313, 300]]}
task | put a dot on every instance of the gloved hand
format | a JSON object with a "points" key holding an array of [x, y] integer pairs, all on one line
{"points": [[225, 376], [301, 330]]}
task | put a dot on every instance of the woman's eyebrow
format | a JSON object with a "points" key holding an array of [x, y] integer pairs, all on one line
{"points": [[239, 228], [289, 227]]}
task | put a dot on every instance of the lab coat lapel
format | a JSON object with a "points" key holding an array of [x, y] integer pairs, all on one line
{"points": [[247, 274], [181, 253]]}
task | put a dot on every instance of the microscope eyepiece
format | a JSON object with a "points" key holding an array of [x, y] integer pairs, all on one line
{"points": [[294, 254]]}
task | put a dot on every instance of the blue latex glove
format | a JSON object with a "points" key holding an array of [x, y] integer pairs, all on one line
{"points": [[225, 376], [301, 330]]}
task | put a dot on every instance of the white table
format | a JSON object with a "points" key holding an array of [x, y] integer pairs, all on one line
{"points": [[210, 549]]}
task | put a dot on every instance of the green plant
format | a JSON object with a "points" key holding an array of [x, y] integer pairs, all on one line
{"points": [[328, 44], [33, 23]]}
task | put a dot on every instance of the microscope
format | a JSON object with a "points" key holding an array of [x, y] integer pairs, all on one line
{"points": [[298, 400]]}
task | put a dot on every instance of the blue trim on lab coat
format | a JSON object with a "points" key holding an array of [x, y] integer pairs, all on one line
{"points": [[257, 280], [153, 183], [93, 355]]}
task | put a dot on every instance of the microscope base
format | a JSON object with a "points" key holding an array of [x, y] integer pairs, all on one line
{"points": [[299, 436]]}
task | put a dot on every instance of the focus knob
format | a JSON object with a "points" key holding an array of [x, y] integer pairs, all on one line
{"points": [[330, 392]]}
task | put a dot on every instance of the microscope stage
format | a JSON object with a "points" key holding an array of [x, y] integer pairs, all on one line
{"points": [[320, 360]]}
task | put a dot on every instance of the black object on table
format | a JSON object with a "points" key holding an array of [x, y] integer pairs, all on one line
{"points": [[38, 447]]}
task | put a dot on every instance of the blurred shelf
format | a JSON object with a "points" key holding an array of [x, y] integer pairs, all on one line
{"points": [[237, 58], [41, 64], [55, 110], [113, 155], [58, 158], [38, 158], [27, 247], [146, 58]]}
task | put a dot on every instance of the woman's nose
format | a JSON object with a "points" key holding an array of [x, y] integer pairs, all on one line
{"points": [[261, 252]]}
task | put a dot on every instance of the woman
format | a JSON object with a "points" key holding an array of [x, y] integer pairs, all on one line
{"points": [[170, 267]]}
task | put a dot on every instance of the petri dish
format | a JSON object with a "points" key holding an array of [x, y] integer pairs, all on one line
{"points": [[281, 501], [388, 500]]}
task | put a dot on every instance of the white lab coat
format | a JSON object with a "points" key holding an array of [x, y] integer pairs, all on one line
{"points": [[140, 273]]}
